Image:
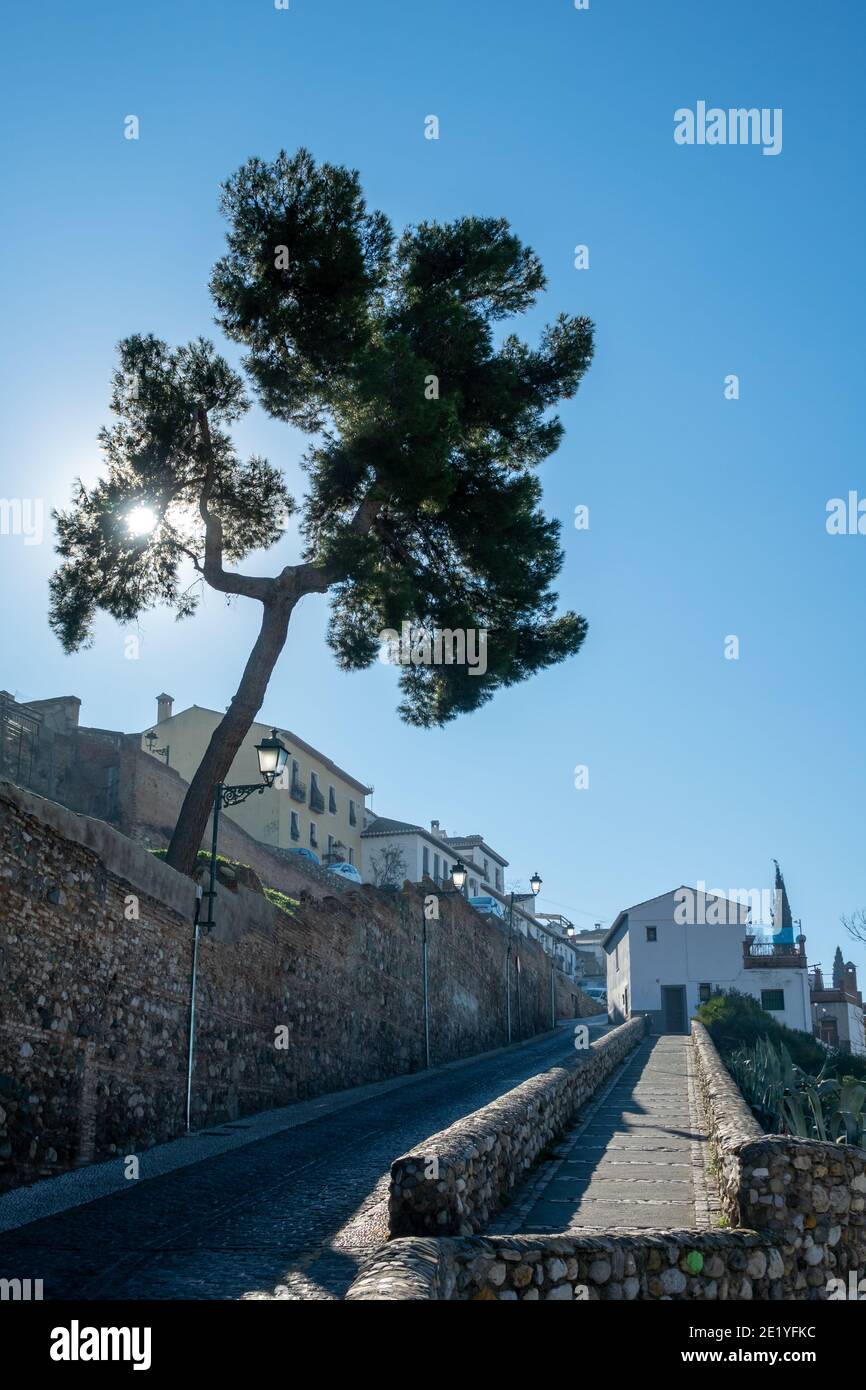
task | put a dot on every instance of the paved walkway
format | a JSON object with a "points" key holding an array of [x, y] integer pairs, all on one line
{"points": [[636, 1157], [284, 1204]]}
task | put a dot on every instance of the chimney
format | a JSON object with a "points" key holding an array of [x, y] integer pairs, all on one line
{"points": [[849, 983], [434, 826], [163, 707]]}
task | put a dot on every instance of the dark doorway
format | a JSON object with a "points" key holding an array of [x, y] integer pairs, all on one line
{"points": [[674, 1008]]}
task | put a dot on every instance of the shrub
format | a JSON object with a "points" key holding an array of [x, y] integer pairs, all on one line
{"points": [[736, 1020]]}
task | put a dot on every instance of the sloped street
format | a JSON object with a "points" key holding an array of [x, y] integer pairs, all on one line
{"points": [[290, 1214]]}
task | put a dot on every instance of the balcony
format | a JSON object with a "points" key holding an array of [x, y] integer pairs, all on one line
{"points": [[317, 801], [298, 789], [773, 955]]}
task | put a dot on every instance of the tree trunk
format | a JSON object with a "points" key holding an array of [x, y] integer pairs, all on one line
{"points": [[229, 734]]}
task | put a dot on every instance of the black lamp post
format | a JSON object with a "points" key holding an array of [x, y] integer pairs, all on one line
{"points": [[150, 740], [272, 755], [458, 878], [535, 885]]}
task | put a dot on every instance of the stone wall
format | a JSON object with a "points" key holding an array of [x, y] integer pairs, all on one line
{"points": [[630, 1265], [95, 955], [809, 1196], [455, 1182]]}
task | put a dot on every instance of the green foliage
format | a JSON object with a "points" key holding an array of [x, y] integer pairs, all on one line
{"points": [[387, 346], [203, 858], [734, 1019], [428, 422], [793, 1083], [788, 1100], [157, 459], [280, 900]]}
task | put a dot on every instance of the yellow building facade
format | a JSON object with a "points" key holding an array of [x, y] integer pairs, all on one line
{"points": [[314, 805]]}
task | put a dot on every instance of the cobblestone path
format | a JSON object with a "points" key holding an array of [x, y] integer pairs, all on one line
{"points": [[636, 1157], [288, 1216]]}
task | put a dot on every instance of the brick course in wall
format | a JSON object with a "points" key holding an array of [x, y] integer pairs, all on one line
{"points": [[95, 953]]}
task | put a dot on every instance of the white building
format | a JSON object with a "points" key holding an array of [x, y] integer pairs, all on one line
{"points": [[393, 850], [592, 957], [667, 955]]}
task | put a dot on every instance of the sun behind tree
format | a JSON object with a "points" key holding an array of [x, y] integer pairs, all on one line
{"points": [[422, 506]]}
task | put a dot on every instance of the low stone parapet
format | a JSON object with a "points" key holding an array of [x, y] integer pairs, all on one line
{"points": [[456, 1180], [809, 1196], [628, 1266]]}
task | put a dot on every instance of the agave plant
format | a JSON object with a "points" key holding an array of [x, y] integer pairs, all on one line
{"points": [[788, 1100]]}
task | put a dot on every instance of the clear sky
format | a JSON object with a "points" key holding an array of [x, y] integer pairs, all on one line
{"points": [[707, 515]]}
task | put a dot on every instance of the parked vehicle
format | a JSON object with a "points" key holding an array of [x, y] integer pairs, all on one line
{"points": [[346, 871], [596, 992], [488, 907], [305, 854]]}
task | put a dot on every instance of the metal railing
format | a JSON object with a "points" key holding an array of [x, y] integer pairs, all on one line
{"points": [[758, 953]]}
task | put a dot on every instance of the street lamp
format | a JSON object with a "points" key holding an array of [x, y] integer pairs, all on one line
{"points": [[150, 740], [535, 885], [458, 878], [272, 755]]}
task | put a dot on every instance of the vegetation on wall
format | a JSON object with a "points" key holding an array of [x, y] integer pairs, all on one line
{"points": [[280, 900], [788, 1100], [793, 1083]]}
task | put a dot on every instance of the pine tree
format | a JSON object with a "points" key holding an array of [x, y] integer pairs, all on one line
{"points": [[838, 969], [423, 503]]}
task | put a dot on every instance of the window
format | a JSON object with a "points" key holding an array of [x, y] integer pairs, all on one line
{"points": [[704, 993], [773, 1000], [314, 838], [652, 934], [330, 847], [435, 868], [317, 801], [486, 870], [473, 888], [353, 819], [332, 801], [351, 855], [296, 826]]}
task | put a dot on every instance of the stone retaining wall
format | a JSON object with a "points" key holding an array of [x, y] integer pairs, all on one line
{"points": [[95, 951], [628, 1266], [809, 1196], [455, 1181]]}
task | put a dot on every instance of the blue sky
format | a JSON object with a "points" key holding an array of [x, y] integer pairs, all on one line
{"points": [[707, 516]]}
